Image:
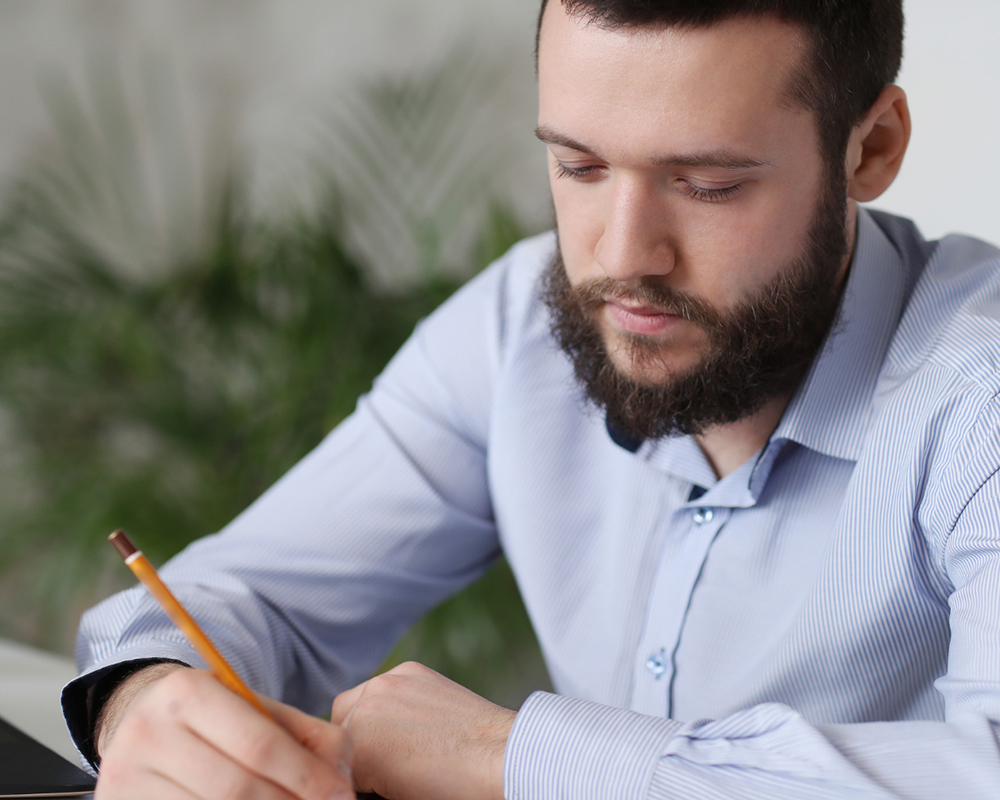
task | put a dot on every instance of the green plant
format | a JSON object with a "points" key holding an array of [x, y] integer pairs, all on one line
{"points": [[163, 392]]}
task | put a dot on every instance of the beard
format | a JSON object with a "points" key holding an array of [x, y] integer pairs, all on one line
{"points": [[757, 352]]}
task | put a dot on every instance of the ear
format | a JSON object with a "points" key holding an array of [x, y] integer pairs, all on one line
{"points": [[877, 146]]}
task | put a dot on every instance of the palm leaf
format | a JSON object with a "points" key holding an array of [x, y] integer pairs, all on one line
{"points": [[168, 355]]}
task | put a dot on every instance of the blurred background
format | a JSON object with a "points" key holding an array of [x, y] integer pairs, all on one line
{"points": [[218, 220]]}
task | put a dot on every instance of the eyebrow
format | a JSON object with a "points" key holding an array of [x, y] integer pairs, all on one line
{"points": [[721, 159]]}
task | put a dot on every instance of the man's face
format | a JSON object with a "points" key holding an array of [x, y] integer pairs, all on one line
{"points": [[689, 192]]}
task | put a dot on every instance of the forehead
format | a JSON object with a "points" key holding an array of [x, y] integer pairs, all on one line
{"points": [[723, 85]]}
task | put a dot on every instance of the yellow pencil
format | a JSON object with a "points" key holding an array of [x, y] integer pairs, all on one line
{"points": [[146, 573]]}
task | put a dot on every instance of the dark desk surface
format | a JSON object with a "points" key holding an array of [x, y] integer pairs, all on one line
{"points": [[30, 683], [30, 769]]}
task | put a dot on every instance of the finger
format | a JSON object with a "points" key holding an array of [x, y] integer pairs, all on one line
{"points": [[149, 747], [148, 786], [235, 728], [208, 774], [329, 742], [344, 702]]}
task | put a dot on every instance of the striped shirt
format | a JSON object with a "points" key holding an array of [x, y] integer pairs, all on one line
{"points": [[823, 622]]}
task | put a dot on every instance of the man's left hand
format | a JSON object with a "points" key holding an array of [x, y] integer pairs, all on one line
{"points": [[417, 734]]}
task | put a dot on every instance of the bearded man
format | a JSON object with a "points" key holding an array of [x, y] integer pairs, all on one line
{"points": [[738, 438]]}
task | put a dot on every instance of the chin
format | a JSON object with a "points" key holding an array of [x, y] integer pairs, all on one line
{"points": [[647, 364]]}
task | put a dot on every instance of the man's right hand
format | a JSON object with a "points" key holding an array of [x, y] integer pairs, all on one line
{"points": [[173, 733]]}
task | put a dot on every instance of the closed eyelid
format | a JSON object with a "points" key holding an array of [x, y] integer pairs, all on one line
{"points": [[716, 194]]}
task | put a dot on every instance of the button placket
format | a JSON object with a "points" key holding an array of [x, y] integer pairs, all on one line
{"points": [[681, 560]]}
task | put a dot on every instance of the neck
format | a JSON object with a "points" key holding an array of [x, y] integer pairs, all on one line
{"points": [[729, 446]]}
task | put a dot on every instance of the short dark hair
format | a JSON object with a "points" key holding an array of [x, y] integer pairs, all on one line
{"points": [[856, 47]]}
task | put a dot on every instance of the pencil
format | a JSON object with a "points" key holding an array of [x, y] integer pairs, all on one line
{"points": [[146, 573]]}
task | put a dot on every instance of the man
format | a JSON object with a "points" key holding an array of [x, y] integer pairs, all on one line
{"points": [[737, 438]]}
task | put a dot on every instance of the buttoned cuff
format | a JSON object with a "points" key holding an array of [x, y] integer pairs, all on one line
{"points": [[562, 747]]}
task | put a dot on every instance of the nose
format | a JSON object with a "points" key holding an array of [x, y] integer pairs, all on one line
{"points": [[636, 240]]}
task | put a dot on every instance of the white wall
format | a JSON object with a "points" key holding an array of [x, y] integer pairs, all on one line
{"points": [[951, 73]]}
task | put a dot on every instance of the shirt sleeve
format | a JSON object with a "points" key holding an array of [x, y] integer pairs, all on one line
{"points": [[562, 748], [567, 748], [306, 591]]}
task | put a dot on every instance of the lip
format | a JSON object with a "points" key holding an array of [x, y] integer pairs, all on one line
{"points": [[640, 320]]}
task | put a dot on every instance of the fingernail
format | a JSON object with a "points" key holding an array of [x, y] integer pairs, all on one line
{"points": [[344, 769]]}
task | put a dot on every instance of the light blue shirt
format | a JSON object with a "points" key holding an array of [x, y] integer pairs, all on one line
{"points": [[824, 622]]}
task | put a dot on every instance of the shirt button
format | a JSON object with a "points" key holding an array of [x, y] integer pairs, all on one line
{"points": [[703, 515], [657, 663]]}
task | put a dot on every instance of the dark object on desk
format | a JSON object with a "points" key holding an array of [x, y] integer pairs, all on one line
{"points": [[29, 769]]}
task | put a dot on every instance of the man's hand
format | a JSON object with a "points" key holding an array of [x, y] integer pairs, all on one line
{"points": [[418, 735], [184, 736]]}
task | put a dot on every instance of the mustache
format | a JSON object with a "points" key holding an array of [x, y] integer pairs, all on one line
{"points": [[646, 292]]}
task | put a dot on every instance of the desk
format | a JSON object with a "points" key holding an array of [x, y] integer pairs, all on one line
{"points": [[30, 683]]}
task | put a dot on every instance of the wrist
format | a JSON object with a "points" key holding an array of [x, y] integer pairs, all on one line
{"points": [[496, 751], [122, 696]]}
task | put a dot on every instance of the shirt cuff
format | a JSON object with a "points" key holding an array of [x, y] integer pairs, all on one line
{"points": [[562, 747], [78, 696]]}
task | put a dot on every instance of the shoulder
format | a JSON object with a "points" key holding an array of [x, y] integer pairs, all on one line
{"points": [[938, 397], [502, 294], [453, 362], [951, 320], [497, 316]]}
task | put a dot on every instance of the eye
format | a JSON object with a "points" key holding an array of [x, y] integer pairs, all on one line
{"points": [[711, 195], [576, 173]]}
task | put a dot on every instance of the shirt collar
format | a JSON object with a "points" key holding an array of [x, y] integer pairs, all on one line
{"points": [[832, 407]]}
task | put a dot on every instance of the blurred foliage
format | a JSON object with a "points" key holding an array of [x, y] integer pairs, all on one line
{"points": [[418, 163], [162, 388]]}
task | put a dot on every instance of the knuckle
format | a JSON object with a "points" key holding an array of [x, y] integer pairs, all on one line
{"points": [[178, 689], [387, 682], [136, 727], [114, 771], [140, 727]]}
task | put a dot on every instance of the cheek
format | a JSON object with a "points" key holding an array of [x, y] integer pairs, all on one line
{"points": [[580, 228], [751, 243], [783, 220]]}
